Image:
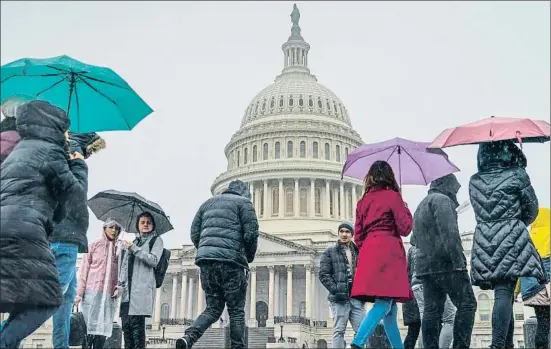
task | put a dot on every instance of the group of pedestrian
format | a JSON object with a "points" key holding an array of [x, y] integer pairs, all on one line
{"points": [[43, 226], [433, 280]]}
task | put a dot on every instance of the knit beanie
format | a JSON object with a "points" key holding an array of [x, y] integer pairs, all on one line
{"points": [[348, 225]]}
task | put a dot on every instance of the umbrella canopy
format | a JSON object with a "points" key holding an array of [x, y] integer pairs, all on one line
{"points": [[411, 162], [494, 129], [95, 98], [125, 208]]}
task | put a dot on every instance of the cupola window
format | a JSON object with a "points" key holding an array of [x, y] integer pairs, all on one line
{"points": [[300, 102], [281, 102], [291, 101], [272, 103], [310, 102], [264, 105], [320, 105]]}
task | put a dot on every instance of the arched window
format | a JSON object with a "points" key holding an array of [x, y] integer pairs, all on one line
{"points": [[317, 199], [337, 153], [277, 150], [275, 201], [289, 201], [231, 160], [255, 154], [265, 151], [238, 156], [484, 307], [303, 201], [281, 101], [303, 149], [327, 152], [315, 150], [290, 149], [300, 101], [245, 156], [272, 103], [320, 105], [261, 204], [291, 101], [346, 151], [165, 311], [310, 102]]}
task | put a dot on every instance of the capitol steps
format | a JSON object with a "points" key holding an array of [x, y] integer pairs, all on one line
{"points": [[258, 336], [212, 338]]}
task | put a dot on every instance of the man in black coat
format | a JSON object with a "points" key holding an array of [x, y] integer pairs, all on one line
{"points": [[337, 269], [33, 179], [441, 265], [225, 233]]}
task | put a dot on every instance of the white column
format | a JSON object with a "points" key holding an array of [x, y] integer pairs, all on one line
{"points": [[312, 197], [289, 290], [200, 296], [354, 202], [327, 199], [157, 317], [271, 294], [183, 295], [308, 292], [251, 189], [190, 301], [174, 292], [336, 207], [281, 199], [296, 197], [313, 295], [265, 213], [252, 311], [342, 205], [276, 297]]}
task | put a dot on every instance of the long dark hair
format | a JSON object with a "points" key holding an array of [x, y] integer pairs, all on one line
{"points": [[380, 174]]}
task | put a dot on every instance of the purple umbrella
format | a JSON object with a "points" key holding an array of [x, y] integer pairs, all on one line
{"points": [[411, 161]]}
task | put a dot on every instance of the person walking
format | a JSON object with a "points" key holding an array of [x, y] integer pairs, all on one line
{"points": [[337, 269], [137, 280], [441, 266], [97, 285], [382, 219], [504, 204], [35, 176], [535, 294], [225, 234], [410, 310]]}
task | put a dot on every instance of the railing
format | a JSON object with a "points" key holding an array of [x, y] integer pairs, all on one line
{"points": [[176, 322], [291, 339], [156, 340], [292, 320], [320, 323]]}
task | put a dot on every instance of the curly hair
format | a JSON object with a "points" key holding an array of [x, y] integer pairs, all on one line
{"points": [[380, 174]]}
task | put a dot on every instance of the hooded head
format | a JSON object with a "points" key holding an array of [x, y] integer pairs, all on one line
{"points": [[144, 226], [85, 143], [448, 185], [239, 187], [500, 154], [12, 103], [41, 120]]}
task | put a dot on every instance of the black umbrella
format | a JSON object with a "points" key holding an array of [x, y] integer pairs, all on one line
{"points": [[125, 208]]}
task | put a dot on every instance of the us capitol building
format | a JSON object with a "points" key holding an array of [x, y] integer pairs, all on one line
{"points": [[294, 137]]}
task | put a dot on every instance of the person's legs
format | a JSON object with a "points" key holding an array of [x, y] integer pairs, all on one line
{"points": [[414, 329], [357, 314], [418, 294], [138, 331], [370, 322], [66, 258], [502, 314], [434, 298], [126, 326], [99, 342], [341, 313], [390, 321], [448, 318], [542, 331], [235, 294], [20, 325]]}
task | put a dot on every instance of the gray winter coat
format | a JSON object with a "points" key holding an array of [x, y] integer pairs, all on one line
{"points": [[225, 229], [504, 204], [143, 287]]}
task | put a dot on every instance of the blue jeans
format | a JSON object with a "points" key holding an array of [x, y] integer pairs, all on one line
{"points": [[22, 324], [66, 259], [386, 310], [352, 311]]}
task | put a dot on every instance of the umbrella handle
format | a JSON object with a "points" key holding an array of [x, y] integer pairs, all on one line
{"points": [[519, 139]]}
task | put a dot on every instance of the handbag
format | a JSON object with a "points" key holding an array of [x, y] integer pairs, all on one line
{"points": [[77, 332]]}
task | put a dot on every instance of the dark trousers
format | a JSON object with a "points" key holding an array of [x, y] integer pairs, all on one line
{"points": [[457, 286], [133, 328], [542, 331], [414, 329], [503, 321], [95, 341], [224, 285]]}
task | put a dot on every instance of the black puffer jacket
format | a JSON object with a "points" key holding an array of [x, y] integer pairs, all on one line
{"points": [[504, 204], [32, 180], [336, 273], [225, 228]]}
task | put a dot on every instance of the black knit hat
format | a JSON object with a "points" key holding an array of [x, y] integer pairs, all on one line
{"points": [[348, 225]]}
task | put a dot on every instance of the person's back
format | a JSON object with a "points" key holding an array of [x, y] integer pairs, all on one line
{"points": [[225, 233]]}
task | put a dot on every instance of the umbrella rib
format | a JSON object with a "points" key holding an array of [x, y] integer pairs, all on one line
{"points": [[78, 106], [52, 86], [416, 163], [104, 82], [32, 76], [393, 151]]}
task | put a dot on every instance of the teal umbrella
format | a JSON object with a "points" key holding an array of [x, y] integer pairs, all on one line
{"points": [[96, 98]]}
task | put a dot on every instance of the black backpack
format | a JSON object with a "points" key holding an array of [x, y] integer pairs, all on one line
{"points": [[162, 265]]}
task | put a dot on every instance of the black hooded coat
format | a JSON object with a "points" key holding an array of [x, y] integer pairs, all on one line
{"points": [[504, 204], [225, 229], [33, 179]]}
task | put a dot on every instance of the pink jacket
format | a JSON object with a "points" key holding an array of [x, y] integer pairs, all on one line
{"points": [[93, 268], [8, 140]]}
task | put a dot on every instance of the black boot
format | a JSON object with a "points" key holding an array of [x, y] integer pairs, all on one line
{"points": [[183, 343]]}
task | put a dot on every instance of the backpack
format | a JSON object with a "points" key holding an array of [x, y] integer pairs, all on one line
{"points": [[77, 329], [162, 265]]}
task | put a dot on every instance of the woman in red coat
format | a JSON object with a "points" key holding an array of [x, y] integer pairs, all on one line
{"points": [[382, 218]]}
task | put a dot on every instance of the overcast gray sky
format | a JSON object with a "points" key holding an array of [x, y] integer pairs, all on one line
{"points": [[407, 69]]}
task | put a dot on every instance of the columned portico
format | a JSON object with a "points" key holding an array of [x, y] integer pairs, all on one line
{"points": [[252, 313]]}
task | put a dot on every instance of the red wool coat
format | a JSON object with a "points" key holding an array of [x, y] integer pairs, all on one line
{"points": [[382, 218]]}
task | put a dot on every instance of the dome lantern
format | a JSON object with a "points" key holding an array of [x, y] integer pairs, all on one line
{"points": [[295, 50]]}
